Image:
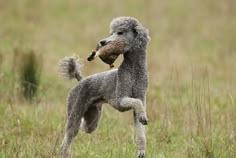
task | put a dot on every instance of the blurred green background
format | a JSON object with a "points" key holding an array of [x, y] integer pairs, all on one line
{"points": [[191, 60]]}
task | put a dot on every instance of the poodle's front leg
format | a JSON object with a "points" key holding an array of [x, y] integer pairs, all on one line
{"points": [[140, 119], [140, 137], [136, 105]]}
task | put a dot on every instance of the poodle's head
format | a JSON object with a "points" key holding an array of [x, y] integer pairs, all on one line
{"points": [[129, 31]]}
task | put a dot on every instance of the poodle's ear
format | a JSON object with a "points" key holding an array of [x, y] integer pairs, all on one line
{"points": [[141, 36]]}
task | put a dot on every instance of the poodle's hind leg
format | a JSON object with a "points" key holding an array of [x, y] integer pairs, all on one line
{"points": [[72, 128], [140, 136], [91, 118]]}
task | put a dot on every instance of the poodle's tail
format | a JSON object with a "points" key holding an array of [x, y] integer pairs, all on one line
{"points": [[70, 67]]}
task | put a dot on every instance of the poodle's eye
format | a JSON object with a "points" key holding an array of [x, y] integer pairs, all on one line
{"points": [[120, 33]]}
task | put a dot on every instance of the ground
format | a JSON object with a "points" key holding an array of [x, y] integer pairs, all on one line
{"points": [[191, 99]]}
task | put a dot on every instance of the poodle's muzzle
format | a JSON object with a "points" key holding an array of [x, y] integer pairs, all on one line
{"points": [[107, 40]]}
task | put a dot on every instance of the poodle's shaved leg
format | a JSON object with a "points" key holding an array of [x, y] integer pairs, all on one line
{"points": [[73, 124], [137, 106], [91, 118], [140, 137]]}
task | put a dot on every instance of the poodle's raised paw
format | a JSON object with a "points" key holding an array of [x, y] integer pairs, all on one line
{"points": [[143, 118]]}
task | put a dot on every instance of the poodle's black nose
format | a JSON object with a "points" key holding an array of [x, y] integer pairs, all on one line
{"points": [[103, 42]]}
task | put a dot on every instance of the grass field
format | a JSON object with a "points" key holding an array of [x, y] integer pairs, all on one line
{"points": [[191, 100]]}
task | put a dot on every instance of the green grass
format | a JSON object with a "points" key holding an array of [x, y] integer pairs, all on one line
{"points": [[191, 99]]}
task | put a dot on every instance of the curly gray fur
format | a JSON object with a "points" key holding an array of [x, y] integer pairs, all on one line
{"points": [[123, 88]]}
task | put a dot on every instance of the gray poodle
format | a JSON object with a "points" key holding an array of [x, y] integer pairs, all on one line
{"points": [[123, 88]]}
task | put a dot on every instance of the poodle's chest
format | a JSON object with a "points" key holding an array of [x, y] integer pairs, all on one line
{"points": [[139, 85]]}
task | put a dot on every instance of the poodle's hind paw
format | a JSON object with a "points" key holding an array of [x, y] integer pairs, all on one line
{"points": [[143, 118]]}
